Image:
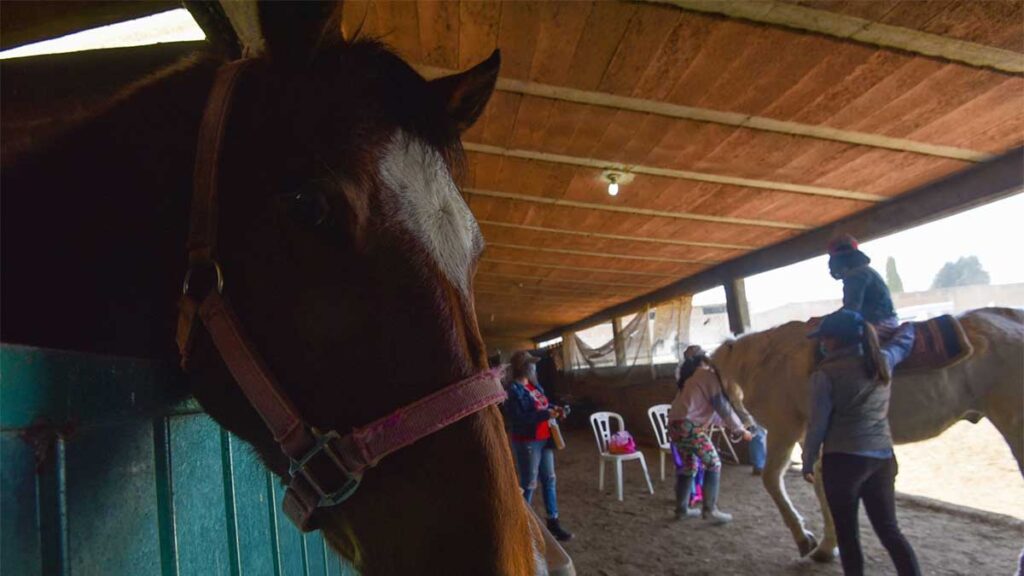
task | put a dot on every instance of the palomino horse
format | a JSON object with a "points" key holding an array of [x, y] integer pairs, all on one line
{"points": [[768, 374], [347, 253]]}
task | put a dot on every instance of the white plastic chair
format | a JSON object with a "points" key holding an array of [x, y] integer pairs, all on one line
{"points": [[600, 421], [724, 434], [659, 421]]}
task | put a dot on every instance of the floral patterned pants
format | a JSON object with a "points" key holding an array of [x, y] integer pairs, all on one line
{"points": [[692, 442]]}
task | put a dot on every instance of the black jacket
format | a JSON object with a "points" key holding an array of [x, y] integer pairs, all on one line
{"points": [[865, 291]]}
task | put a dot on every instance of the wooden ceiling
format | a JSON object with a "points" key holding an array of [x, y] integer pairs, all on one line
{"points": [[743, 123], [740, 134]]}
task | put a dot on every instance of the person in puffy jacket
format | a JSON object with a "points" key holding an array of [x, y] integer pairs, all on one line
{"points": [[849, 426], [528, 411], [700, 403]]}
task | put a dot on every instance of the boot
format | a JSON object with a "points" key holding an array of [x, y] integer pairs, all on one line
{"points": [[711, 511], [557, 531], [684, 484]]}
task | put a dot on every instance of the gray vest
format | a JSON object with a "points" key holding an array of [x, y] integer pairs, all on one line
{"points": [[860, 407]]}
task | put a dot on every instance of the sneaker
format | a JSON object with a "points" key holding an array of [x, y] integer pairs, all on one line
{"points": [[757, 472], [687, 513], [557, 531], [717, 516]]}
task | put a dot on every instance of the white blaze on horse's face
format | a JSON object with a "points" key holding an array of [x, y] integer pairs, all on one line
{"points": [[428, 204]]}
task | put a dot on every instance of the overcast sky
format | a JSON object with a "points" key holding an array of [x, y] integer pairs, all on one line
{"points": [[994, 233]]}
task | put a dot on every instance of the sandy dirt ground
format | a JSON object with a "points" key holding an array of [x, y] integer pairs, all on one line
{"points": [[971, 458], [638, 536]]}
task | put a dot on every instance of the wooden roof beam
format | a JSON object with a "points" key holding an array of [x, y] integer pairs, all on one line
{"points": [[735, 119], [859, 30], [530, 264], [975, 186], [564, 280], [605, 236], [600, 254], [634, 211], [601, 164]]}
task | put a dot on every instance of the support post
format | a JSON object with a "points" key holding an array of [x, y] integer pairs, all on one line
{"points": [[568, 344], [736, 306], [685, 316], [620, 346]]}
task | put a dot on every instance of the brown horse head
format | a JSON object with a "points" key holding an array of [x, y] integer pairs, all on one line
{"points": [[348, 254]]}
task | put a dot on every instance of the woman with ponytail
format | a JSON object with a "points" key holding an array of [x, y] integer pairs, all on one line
{"points": [[849, 424]]}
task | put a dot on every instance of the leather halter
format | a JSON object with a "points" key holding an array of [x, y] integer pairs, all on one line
{"points": [[326, 467]]}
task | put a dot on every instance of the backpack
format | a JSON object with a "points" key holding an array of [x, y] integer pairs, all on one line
{"points": [[621, 443]]}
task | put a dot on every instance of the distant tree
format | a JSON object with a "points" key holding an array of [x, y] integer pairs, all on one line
{"points": [[892, 277], [966, 271]]}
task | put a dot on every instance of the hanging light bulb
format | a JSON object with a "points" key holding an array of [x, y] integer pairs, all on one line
{"points": [[613, 185]]}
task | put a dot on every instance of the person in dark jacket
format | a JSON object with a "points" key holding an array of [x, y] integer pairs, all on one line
{"points": [[864, 290], [528, 412], [849, 415]]}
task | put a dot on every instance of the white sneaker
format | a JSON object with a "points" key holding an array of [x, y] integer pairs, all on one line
{"points": [[717, 516]]}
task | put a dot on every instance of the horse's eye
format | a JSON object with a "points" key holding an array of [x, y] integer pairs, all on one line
{"points": [[309, 207]]}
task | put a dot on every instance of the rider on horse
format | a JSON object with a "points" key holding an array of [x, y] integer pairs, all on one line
{"points": [[865, 292]]}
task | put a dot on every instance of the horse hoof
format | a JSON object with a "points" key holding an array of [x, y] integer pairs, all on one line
{"points": [[807, 545], [823, 555]]}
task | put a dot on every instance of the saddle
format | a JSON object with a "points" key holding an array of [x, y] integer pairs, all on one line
{"points": [[939, 343]]}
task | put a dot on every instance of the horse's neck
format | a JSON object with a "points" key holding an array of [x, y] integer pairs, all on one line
{"points": [[94, 223]]}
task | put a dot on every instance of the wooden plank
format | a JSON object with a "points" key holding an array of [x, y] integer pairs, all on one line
{"points": [[198, 489], [967, 189], [604, 164], [860, 30], [253, 528], [636, 211], [598, 43], [19, 523], [661, 108], [517, 36], [597, 254], [112, 522], [439, 32], [478, 31], [624, 237], [564, 280], [531, 264], [291, 548]]}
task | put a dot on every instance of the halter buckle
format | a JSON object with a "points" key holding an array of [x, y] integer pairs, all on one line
{"points": [[324, 446], [202, 272]]}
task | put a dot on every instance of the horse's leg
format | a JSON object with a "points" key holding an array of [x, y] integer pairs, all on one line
{"points": [[781, 440], [827, 549]]}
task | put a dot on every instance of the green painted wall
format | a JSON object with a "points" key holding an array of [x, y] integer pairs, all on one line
{"points": [[120, 481]]}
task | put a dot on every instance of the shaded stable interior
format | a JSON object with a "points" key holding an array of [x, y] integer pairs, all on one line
{"points": [[751, 130]]}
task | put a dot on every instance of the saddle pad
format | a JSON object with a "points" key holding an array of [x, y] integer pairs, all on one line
{"points": [[939, 343]]}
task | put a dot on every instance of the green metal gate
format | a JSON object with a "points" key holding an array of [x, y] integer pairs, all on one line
{"points": [[99, 474]]}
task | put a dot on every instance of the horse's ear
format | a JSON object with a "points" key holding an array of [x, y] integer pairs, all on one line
{"points": [[466, 94], [294, 31]]}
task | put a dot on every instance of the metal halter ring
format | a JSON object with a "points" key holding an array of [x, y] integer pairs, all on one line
{"points": [[217, 270]]}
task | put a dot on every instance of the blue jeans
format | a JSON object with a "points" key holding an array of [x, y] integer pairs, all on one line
{"points": [[537, 460], [757, 447]]}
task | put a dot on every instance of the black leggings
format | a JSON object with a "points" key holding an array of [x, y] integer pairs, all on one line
{"points": [[848, 479]]}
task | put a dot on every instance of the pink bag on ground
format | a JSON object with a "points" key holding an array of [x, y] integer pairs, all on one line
{"points": [[621, 443]]}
